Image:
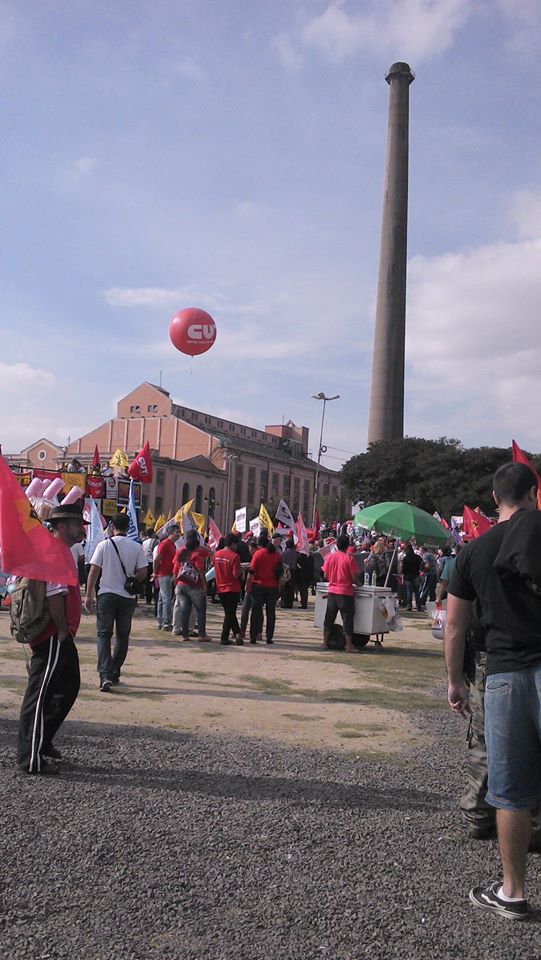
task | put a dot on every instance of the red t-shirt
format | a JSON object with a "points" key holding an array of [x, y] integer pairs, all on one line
{"points": [[227, 571], [73, 616], [197, 558], [264, 566], [340, 570], [164, 558]]}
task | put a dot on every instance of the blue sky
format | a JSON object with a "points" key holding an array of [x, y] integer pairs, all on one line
{"points": [[229, 155]]}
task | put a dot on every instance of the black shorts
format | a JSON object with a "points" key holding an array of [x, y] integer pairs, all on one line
{"points": [[346, 605]]}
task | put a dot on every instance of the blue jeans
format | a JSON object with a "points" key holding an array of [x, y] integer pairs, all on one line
{"points": [[113, 613], [513, 738], [412, 587], [165, 601], [185, 598]]}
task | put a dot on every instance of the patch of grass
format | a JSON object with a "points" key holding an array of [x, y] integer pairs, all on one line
{"points": [[264, 685], [383, 697], [302, 717], [196, 674], [146, 694], [365, 727], [351, 735], [211, 715]]}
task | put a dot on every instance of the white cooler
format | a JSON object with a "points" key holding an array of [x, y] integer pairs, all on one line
{"points": [[368, 617]]}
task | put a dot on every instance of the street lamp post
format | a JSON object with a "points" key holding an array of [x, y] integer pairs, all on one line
{"points": [[321, 448], [229, 457]]}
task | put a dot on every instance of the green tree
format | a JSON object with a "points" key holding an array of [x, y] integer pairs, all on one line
{"points": [[434, 474]]}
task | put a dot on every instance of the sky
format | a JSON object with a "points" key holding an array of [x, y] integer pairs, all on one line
{"points": [[229, 155]]}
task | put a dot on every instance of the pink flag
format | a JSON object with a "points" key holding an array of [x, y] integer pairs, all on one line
{"points": [[214, 535], [302, 536]]}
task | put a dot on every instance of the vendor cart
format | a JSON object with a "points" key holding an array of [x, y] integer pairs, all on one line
{"points": [[371, 619]]}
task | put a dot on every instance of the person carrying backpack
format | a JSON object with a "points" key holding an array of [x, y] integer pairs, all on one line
{"points": [[190, 587], [53, 675]]}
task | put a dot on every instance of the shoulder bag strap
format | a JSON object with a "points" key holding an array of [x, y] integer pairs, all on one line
{"points": [[120, 558]]}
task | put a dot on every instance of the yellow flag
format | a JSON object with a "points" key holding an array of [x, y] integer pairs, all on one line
{"points": [[178, 516], [149, 519], [199, 522], [265, 520], [234, 527], [169, 516], [159, 523], [119, 459]]}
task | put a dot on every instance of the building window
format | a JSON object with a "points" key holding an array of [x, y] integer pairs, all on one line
{"points": [[159, 505], [211, 502], [232, 426], [198, 498], [185, 493], [306, 499], [42, 455], [243, 430], [160, 477], [250, 494], [207, 419], [239, 477], [264, 483], [152, 408], [325, 489], [274, 485], [334, 492], [296, 495], [220, 423], [135, 408], [144, 502], [287, 486], [195, 416]]}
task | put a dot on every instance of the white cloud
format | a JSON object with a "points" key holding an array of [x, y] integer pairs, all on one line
{"points": [[85, 165], [412, 29], [288, 52], [473, 346], [526, 214], [523, 21], [27, 397], [251, 211]]}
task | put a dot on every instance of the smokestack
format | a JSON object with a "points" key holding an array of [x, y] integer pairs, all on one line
{"points": [[386, 415]]}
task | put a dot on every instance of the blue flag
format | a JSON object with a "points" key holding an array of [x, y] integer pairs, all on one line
{"points": [[133, 530]]}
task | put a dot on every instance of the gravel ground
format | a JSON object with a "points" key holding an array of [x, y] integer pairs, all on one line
{"points": [[154, 844]]}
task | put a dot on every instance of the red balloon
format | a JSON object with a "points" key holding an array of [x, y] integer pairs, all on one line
{"points": [[192, 331]]}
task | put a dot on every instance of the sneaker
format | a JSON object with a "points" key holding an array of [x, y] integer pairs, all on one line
{"points": [[205, 640], [105, 686], [51, 752], [177, 633], [226, 643], [159, 626], [115, 681], [239, 641], [488, 899], [270, 641], [168, 627]]}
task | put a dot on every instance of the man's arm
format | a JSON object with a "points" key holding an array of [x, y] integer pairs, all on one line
{"points": [[458, 617], [57, 608], [92, 578]]}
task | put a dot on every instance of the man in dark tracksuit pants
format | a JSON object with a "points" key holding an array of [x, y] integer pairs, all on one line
{"points": [[53, 677]]}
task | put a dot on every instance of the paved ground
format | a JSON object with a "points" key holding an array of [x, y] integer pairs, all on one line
{"points": [[227, 812]]}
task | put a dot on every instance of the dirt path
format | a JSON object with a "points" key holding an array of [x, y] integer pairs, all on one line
{"points": [[291, 692]]}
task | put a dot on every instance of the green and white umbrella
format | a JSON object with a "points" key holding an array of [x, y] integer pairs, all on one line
{"points": [[403, 520]]}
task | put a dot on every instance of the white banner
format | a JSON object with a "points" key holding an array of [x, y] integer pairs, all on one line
{"points": [[240, 520], [95, 532], [283, 515], [255, 527]]}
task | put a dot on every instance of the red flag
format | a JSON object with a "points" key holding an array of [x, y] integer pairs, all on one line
{"points": [[96, 458], [474, 524], [214, 535], [28, 549], [520, 457], [141, 468]]}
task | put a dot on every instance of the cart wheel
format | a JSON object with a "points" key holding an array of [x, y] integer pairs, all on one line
{"points": [[337, 641], [360, 640]]}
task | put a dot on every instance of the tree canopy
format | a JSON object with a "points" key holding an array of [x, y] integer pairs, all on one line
{"points": [[433, 474]]}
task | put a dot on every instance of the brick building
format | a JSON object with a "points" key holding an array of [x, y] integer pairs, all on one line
{"points": [[223, 465]]}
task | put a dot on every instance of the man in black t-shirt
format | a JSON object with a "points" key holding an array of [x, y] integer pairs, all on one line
{"points": [[510, 615]]}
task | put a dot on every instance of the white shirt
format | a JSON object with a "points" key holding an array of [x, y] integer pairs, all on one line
{"points": [[77, 551], [112, 574]]}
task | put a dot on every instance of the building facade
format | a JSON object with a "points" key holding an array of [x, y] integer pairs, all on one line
{"points": [[222, 464]]}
